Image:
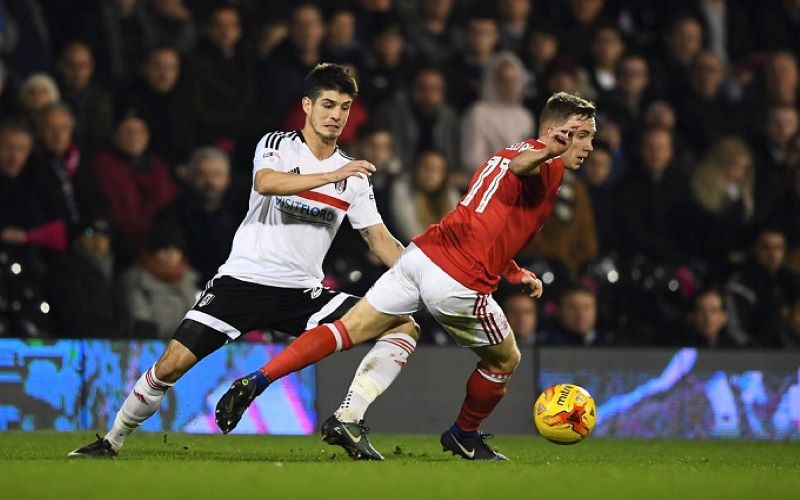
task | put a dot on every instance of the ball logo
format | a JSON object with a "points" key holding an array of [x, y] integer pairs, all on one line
{"points": [[341, 186], [206, 300]]}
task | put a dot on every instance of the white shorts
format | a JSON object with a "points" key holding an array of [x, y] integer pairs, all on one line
{"points": [[415, 281]]}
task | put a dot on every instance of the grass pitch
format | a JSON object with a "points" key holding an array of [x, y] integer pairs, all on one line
{"points": [[178, 466]]}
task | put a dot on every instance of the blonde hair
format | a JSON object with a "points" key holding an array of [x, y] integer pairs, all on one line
{"points": [[39, 80], [709, 184]]}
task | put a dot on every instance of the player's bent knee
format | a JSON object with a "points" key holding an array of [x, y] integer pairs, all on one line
{"points": [[410, 328], [364, 322]]}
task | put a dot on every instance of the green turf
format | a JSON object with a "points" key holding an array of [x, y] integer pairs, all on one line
{"points": [[177, 466]]}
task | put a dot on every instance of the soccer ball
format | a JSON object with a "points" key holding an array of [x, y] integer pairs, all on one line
{"points": [[565, 414]]}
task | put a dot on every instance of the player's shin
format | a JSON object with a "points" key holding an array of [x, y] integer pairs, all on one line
{"points": [[379, 368], [142, 402], [485, 389]]}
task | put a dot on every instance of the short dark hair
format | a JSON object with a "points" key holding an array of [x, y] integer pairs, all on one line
{"points": [[330, 76], [561, 105]]}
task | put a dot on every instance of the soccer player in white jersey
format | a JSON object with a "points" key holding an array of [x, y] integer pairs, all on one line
{"points": [[303, 186]]}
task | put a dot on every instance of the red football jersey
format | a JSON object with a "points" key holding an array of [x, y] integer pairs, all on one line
{"points": [[498, 216]]}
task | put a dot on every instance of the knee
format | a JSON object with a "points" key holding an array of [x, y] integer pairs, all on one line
{"points": [[167, 370], [410, 328], [507, 363]]}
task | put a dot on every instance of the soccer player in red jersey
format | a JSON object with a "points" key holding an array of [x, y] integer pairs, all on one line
{"points": [[452, 269]]}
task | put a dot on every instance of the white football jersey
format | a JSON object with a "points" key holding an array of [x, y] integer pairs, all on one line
{"points": [[283, 240]]}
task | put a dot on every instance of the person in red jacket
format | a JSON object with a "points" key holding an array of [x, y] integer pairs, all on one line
{"points": [[134, 183]]}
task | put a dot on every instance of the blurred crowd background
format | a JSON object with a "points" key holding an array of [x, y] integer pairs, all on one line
{"points": [[128, 128]]}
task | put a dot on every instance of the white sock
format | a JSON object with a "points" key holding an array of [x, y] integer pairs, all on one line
{"points": [[141, 404], [375, 374]]}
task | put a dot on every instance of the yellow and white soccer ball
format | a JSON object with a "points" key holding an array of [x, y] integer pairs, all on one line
{"points": [[565, 414]]}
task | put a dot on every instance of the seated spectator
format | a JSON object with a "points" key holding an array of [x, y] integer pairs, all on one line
{"points": [[172, 24], [386, 68], [84, 294], [596, 172], [465, 70], [708, 321], [32, 209], [772, 169], [91, 103], [199, 213], [523, 317], [682, 42], [376, 145], [757, 295], [422, 200], [421, 119], [340, 36], [35, 93], [569, 233], [514, 23], [498, 119], [432, 33], [161, 287], [608, 48], [59, 155], [133, 183], [651, 203], [539, 54], [576, 321], [159, 96], [222, 80], [722, 215], [626, 102]]}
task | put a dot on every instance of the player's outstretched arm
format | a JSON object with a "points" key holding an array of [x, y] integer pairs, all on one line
{"points": [[556, 142], [381, 243], [520, 276], [270, 182]]}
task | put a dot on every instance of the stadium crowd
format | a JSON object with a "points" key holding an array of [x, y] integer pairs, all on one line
{"points": [[128, 128]]}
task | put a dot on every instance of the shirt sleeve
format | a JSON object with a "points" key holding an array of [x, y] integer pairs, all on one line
{"points": [[268, 154], [363, 212]]}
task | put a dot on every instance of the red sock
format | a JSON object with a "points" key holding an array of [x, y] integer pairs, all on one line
{"points": [[310, 347], [484, 390]]}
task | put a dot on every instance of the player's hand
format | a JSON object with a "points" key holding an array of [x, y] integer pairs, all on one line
{"points": [[360, 168], [533, 285], [559, 140]]}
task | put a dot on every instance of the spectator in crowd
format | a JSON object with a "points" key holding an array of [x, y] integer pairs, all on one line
{"points": [[375, 144], [682, 43], [340, 38], [651, 202], [58, 155], [32, 210], [626, 102], [133, 183], [163, 103], [727, 28], [578, 23], [724, 206], [772, 171], [271, 35], [608, 48], [161, 287], [523, 317], [91, 103], [705, 113], [576, 320], [386, 67], [36, 92], [28, 47], [498, 119], [707, 322], [422, 199], [285, 70], [596, 172], [756, 296], [789, 213], [514, 18], [421, 119], [84, 294], [539, 55], [661, 113], [569, 234], [778, 84], [222, 81], [172, 24], [433, 35], [125, 34], [465, 70], [200, 214]]}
